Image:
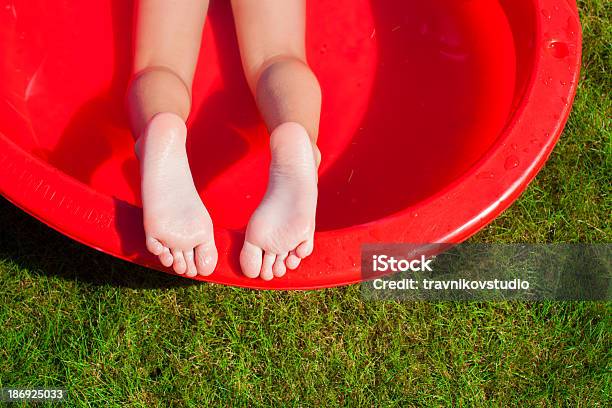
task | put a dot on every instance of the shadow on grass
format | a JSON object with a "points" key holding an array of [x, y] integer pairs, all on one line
{"points": [[41, 250]]}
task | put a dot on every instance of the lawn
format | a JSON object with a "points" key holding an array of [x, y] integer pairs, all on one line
{"points": [[115, 334]]}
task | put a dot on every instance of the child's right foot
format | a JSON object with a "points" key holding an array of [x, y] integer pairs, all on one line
{"points": [[177, 226]]}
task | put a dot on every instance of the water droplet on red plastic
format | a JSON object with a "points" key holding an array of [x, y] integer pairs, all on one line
{"points": [[558, 49], [546, 13], [511, 162]]}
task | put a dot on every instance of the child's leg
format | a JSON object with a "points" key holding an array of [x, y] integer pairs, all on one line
{"points": [[177, 226], [271, 36]]}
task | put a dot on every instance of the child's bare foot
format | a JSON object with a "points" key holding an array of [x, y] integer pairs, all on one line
{"points": [[177, 225], [280, 232]]}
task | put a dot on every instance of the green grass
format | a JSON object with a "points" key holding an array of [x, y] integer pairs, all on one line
{"points": [[115, 334]]}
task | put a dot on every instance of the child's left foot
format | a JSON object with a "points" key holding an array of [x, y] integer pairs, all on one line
{"points": [[280, 232]]}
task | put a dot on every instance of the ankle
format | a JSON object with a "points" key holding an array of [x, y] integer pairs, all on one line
{"points": [[317, 155]]}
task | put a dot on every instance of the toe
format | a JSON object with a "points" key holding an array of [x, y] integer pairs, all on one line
{"points": [[191, 267], [179, 265], [154, 246], [304, 249], [293, 261], [279, 268], [166, 258], [251, 259], [266, 267], [206, 259]]}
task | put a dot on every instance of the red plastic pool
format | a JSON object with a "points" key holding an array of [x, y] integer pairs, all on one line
{"points": [[436, 116]]}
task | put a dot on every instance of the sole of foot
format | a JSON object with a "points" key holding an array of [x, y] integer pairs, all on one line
{"points": [[177, 225], [281, 230]]}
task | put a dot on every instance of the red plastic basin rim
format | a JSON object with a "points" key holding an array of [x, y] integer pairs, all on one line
{"points": [[475, 199]]}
